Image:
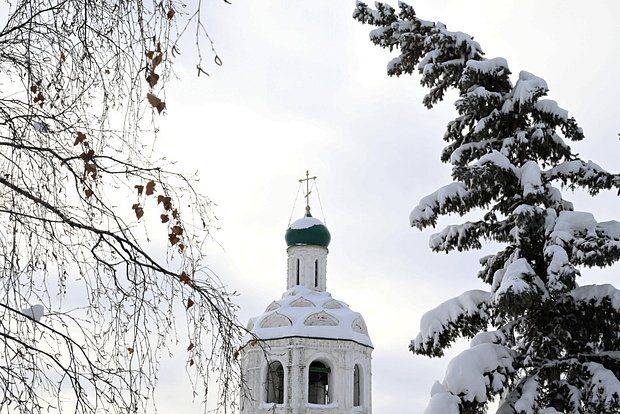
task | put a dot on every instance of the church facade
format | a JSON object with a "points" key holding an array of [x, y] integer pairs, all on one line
{"points": [[308, 352]]}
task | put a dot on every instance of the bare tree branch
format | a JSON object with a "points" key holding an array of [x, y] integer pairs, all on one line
{"points": [[106, 237]]}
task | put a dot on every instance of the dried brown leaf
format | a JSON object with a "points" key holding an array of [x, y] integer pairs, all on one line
{"points": [[91, 169], [81, 137], [150, 188], [152, 79], [138, 210], [156, 102], [87, 155], [173, 239], [157, 60], [184, 278]]}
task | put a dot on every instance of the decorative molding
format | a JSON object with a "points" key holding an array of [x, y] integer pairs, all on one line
{"points": [[301, 303], [272, 306], [333, 304], [275, 320], [321, 319], [359, 326]]}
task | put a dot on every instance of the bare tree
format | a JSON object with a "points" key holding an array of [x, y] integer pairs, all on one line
{"points": [[97, 252]]}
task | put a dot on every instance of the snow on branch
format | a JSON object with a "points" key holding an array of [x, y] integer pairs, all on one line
{"points": [[516, 283], [559, 268], [499, 160], [596, 295], [586, 241], [603, 387], [488, 337], [551, 107], [450, 198], [383, 15], [463, 315], [589, 175], [441, 62], [442, 402], [526, 403], [529, 88], [471, 377], [467, 373], [492, 66], [459, 236]]}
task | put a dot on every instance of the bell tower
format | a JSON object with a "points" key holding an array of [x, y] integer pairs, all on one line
{"points": [[308, 352]]}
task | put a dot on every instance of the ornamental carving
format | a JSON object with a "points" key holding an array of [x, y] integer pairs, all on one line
{"points": [[359, 326], [321, 319], [275, 320], [301, 303]]}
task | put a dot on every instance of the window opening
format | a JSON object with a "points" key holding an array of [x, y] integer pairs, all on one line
{"points": [[318, 383], [275, 383], [316, 273], [357, 387]]}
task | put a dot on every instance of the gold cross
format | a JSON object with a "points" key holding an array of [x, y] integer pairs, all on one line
{"points": [[307, 181]]}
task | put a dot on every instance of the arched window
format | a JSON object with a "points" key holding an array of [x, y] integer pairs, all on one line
{"points": [[357, 386], [275, 383], [297, 272], [318, 383], [316, 273]]}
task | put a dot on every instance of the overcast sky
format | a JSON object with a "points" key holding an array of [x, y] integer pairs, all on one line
{"points": [[302, 87]]}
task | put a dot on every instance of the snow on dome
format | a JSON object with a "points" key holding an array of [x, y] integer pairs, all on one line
{"points": [[304, 312], [305, 223], [307, 231]]}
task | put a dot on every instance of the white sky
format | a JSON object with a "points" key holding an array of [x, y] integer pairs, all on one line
{"points": [[302, 87]]}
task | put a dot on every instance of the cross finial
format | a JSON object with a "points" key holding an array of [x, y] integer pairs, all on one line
{"points": [[307, 181]]}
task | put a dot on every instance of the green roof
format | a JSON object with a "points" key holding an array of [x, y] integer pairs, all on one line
{"points": [[307, 231]]}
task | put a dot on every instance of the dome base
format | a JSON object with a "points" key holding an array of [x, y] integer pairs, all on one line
{"points": [[296, 355]]}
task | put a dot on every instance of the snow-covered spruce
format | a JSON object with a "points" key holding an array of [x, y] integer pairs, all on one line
{"points": [[541, 344]]}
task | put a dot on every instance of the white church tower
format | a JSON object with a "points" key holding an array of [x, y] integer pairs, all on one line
{"points": [[308, 353]]}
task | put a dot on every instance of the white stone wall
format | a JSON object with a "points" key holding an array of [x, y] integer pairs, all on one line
{"points": [[296, 354], [307, 256]]}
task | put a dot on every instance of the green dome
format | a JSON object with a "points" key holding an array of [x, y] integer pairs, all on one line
{"points": [[307, 231]]}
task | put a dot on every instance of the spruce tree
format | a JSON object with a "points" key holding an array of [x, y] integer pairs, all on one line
{"points": [[540, 342]]}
